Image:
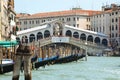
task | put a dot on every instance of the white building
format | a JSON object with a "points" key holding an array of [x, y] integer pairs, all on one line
{"points": [[108, 22], [76, 17]]}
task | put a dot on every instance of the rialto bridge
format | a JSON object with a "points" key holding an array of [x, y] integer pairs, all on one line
{"points": [[57, 33]]}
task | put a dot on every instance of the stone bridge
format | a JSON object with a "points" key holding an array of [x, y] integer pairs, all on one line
{"points": [[57, 32]]}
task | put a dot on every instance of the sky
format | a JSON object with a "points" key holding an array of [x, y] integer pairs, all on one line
{"points": [[38, 6]]}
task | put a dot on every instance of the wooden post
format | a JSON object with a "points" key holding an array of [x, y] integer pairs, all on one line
{"points": [[23, 54], [17, 65], [27, 63], [1, 55]]}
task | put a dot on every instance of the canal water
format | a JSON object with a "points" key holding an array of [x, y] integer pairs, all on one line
{"points": [[95, 68]]}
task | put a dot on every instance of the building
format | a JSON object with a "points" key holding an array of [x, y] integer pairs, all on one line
{"points": [[11, 16], [76, 17], [108, 22], [7, 15]]}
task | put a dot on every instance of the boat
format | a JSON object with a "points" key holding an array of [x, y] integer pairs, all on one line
{"points": [[7, 61], [45, 61], [69, 58], [6, 66]]}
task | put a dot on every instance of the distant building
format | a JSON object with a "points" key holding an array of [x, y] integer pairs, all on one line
{"points": [[76, 17], [108, 22]]}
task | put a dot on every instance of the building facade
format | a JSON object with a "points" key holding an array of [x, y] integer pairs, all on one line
{"points": [[6, 10], [108, 22], [76, 17]]}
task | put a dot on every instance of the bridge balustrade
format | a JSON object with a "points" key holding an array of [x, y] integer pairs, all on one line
{"points": [[74, 41]]}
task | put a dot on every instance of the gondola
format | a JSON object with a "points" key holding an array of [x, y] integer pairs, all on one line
{"points": [[70, 58], [46, 61], [8, 65]]}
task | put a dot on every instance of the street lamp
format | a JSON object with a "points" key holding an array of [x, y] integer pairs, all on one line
{"points": [[86, 51]]}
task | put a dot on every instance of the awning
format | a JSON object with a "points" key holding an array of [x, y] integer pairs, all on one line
{"points": [[8, 43]]}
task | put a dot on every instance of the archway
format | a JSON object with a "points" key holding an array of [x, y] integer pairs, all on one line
{"points": [[46, 34], [97, 40], [105, 42], [76, 35], [83, 36], [68, 33], [31, 38], [39, 35], [90, 38]]}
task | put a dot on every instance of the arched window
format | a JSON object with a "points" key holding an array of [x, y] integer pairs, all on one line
{"points": [[83, 36], [97, 40], [39, 35], [46, 34], [76, 35], [104, 42], [32, 37], [69, 33], [90, 38]]}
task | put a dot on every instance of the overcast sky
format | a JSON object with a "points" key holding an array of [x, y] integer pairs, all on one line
{"points": [[37, 6]]}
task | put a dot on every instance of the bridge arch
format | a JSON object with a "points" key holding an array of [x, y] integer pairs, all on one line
{"points": [[97, 40], [68, 33], [76, 35], [83, 36], [46, 33], [24, 39], [90, 38], [31, 38], [39, 35], [105, 42]]}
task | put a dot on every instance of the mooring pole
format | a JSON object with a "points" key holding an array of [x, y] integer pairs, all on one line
{"points": [[23, 53], [18, 62], [27, 63]]}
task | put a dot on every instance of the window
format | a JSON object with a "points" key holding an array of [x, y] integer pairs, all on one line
{"points": [[97, 29], [78, 25], [62, 19], [112, 27], [68, 19], [112, 13], [112, 34], [116, 34], [103, 29], [100, 29], [74, 19], [36, 22], [32, 22], [77, 18], [116, 27], [29, 22], [74, 25], [25, 22], [116, 20], [112, 20]]}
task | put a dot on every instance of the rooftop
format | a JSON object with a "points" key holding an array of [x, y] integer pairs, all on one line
{"points": [[61, 13]]}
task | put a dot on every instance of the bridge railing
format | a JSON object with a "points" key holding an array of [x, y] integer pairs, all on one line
{"points": [[86, 43], [72, 40]]}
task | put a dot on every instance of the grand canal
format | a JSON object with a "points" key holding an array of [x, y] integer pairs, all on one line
{"points": [[95, 68]]}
